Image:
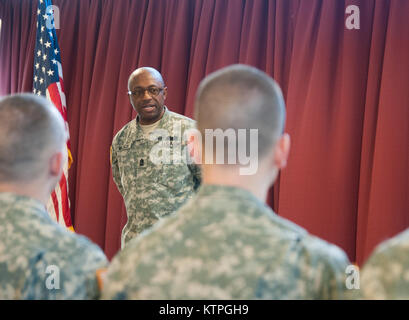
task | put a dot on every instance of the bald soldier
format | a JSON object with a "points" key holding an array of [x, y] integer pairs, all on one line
{"points": [[149, 156], [226, 243], [38, 258], [385, 275]]}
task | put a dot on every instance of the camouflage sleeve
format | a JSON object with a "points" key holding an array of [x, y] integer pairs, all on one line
{"points": [[115, 278], [331, 272], [311, 270], [323, 265], [115, 169], [90, 267], [384, 277], [74, 276]]}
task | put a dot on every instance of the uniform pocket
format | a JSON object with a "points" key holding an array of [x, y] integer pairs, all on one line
{"points": [[176, 178], [127, 164]]}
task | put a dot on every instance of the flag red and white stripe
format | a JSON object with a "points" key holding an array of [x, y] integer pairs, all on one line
{"points": [[48, 81], [59, 203]]}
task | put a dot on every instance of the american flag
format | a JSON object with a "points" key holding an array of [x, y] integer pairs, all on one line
{"points": [[48, 81]]}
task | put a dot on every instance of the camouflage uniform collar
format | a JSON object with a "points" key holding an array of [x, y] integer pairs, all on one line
{"points": [[162, 123], [25, 203], [228, 192]]}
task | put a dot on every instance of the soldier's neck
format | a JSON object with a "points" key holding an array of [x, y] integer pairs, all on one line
{"points": [[231, 177], [28, 190]]}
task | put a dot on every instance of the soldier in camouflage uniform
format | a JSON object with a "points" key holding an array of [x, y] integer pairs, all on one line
{"points": [[386, 273], [152, 188], [226, 243], [39, 259]]}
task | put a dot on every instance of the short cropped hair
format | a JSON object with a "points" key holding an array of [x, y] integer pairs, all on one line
{"points": [[152, 71], [241, 97], [31, 129]]}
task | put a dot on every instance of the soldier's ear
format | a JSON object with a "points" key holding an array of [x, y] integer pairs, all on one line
{"points": [[281, 151], [56, 164], [165, 93]]}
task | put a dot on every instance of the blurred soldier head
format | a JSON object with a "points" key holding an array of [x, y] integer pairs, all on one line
{"points": [[32, 146], [147, 93], [242, 98]]}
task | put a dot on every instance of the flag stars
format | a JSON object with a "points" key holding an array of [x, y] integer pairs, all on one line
{"points": [[45, 54]]}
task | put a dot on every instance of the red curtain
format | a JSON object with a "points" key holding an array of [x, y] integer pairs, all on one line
{"points": [[347, 96]]}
